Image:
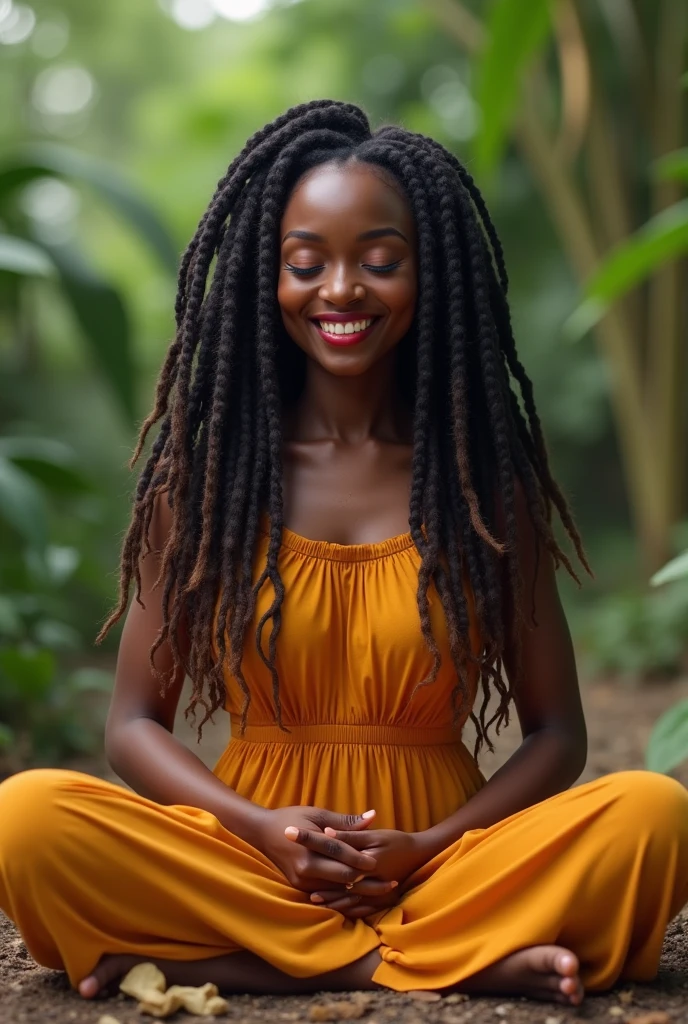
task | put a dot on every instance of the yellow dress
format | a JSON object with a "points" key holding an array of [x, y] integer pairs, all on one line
{"points": [[87, 867]]}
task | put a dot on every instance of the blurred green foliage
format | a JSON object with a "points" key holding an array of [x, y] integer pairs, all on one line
{"points": [[636, 634], [116, 122], [668, 743], [45, 688]]}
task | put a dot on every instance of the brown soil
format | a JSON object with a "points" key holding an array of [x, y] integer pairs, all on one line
{"points": [[619, 721]]}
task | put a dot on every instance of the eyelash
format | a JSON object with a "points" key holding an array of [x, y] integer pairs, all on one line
{"points": [[308, 271]]}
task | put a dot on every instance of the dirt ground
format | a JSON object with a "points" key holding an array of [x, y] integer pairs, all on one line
{"points": [[619, 721]]}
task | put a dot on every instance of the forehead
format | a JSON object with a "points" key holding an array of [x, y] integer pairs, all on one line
{"points": [[349, 196]]}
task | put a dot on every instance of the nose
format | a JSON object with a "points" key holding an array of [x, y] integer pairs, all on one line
{"points": [[340, 287]]}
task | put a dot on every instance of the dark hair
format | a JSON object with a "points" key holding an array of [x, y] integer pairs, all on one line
{"points": [[232, 367]]}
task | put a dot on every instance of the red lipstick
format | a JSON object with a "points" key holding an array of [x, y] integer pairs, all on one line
{"points": [[342, 340]]}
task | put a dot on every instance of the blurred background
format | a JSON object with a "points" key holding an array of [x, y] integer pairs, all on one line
{"points": [[117, 120]]}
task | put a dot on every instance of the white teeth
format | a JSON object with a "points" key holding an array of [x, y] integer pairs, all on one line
{"points": [[353, 327]]}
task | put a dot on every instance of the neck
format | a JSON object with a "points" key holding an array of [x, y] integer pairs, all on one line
{"points": [[351, 410]]}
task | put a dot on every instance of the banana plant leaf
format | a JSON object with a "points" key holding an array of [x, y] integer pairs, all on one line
{"points": [[663, 238], [104, 320], [37, 160], [515, 31], [18, 256], [51, 462], [673, 166], [23, 505]]}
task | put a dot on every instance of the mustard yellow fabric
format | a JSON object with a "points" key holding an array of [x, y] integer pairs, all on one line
{"points": [[88, 868]]}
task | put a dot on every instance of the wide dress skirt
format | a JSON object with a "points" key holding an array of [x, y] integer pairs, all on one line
{"points": [[88, 867]]}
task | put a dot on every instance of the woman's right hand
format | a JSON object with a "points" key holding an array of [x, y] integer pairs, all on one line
{"points": [[308, 871]]}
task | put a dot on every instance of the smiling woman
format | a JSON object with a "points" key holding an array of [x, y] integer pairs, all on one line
{"points": [[349, 451], [353, 286]]}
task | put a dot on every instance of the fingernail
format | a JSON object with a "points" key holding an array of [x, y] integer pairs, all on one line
{"points": [[368, 814], [394, 884], [316, 899], [291, 831], [330, 831]]}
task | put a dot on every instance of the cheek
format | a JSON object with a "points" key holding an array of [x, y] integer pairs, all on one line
{"points": [[290, 301], [401, 299], [285, 296], [291, 294]]}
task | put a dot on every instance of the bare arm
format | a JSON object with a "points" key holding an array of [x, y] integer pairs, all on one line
{"points": [[554, 748], [138, 737]]}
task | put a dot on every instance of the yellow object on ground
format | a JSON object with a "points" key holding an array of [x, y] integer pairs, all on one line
{"points": [[88, 868], [147, 983]]}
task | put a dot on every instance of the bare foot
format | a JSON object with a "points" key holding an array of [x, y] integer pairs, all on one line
{"points": [[233, 972], [539, 972], [110, 969]]}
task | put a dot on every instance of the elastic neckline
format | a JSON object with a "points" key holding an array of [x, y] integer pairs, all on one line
{"points": [[341, 552]]}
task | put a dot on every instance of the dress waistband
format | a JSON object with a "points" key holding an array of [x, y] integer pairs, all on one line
{"points": [[382, 735]]}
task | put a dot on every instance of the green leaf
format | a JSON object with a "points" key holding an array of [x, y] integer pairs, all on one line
{"points": [[515, 31], [31, 671], [47, 449], [6, 737], [22, 504], [673, 166], [583, 319], [663, 238], [17, 256], [49, 461], [676, 569], [103, 318], [38, 159], [668, 744]]}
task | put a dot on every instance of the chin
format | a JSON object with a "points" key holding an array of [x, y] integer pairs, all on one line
{"points": [[346, 366]]}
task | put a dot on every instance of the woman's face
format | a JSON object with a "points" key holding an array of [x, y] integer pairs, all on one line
{"points": [[347, 285]]}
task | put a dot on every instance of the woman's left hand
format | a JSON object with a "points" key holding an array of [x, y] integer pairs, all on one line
{"points": [[398, 855]]}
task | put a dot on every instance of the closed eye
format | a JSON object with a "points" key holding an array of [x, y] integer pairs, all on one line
{"points": [[302, 271], [382, 270]]}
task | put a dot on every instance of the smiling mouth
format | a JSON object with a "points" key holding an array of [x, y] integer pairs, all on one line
{"points": [[349, 332]]}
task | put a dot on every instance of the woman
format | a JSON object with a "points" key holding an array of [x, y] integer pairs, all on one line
{"points": [[343, 533]]}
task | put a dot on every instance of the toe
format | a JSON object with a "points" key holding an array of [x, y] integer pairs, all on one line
{"points": [[89, 987], [572, 990], [577, 996], [565, 963], [109, 969]]}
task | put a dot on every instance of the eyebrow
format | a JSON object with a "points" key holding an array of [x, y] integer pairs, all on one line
{"points": [[367, 236]]}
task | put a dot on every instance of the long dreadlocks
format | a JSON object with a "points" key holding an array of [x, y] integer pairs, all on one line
{"points": [[231, 368]]}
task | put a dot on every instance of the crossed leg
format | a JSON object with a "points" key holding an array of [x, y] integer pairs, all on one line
{"points": [[540, 972]]}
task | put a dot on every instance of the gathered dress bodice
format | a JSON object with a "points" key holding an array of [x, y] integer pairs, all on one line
{"points": [[350, 655]]}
